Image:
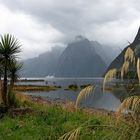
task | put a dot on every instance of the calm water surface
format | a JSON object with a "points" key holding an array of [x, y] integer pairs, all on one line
{"points": [[98, 99]]}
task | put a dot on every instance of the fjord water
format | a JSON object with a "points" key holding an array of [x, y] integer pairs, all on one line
{"points": [[98, 99]]}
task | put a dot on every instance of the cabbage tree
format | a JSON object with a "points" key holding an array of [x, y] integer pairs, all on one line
{"points": [[9, 49]]}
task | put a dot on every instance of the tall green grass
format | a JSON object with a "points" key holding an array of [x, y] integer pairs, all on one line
{"points": [[51, 122]]}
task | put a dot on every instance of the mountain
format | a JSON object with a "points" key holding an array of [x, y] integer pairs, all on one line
{"points": [[135, 45], [104, 52], [44, 64], [81, 58]]}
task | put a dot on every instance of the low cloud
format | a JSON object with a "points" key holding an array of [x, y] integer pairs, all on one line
{"points": [[43, 24]]}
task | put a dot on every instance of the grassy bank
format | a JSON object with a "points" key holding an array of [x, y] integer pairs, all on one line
{"points": [[50, 122], [35, 88]]}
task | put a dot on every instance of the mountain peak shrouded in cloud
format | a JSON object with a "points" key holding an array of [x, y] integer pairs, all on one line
{"points": [[43, 24], [79, 38], [82, 58]]}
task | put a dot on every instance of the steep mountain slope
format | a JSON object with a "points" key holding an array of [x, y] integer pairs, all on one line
{"points": [[103, 52], [135, 45], [44, 64], [80, 59]]}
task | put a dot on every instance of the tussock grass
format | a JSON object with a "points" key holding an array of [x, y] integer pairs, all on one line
{"points": [[129, 58], [72, 135], [91, 128], [84, 93], [17, 99], [131, 105], [124, 69], [109, 76], [22, 97], [138, 69], [129, 55], [69, 106]]}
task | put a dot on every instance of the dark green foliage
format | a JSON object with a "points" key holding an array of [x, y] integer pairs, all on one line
{"points": [[84, 86], [73, 87], [12, 101]]}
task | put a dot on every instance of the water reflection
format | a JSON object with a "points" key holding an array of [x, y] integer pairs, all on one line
{"points": [[115, 91], [97, 99]]}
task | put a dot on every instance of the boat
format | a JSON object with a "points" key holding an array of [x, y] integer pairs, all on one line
{"points": [[49, 77]]}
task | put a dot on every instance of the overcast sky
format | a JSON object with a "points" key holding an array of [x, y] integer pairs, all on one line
{"points": [[42, 24]]}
